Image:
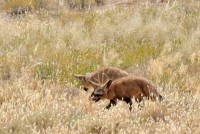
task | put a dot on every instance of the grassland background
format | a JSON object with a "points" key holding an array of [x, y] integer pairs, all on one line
{"points": [[40, 51]]}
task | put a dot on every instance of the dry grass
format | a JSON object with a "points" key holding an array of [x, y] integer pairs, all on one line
{"points": [[40, 51]]}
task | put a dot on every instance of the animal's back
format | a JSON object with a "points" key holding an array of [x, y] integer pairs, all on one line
{"points": [[104, 74], [130, 86]]}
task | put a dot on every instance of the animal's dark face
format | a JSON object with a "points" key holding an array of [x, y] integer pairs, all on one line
{"points": [[97, 94], [84, 81], [86, 85], [100, 91]]}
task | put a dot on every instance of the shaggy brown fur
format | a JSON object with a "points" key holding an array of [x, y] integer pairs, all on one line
{"points": [[125, 89], [101, 76]]}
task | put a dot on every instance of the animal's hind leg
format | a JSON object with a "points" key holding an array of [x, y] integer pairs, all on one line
{"points": [[112, 103], [129, 102]]}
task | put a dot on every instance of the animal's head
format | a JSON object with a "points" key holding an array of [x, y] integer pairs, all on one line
{"points": [[84, 81], [99, 90]]}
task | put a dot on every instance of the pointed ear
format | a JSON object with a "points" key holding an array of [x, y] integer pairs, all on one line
{"points": [[79, 77], [94, 85], [107, 86]]}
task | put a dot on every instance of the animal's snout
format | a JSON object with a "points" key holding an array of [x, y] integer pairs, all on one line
{"points": [[84, 88], [91, 97]]}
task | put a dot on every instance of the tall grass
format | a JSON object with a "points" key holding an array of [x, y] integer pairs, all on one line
{"points": [[39, 53]]}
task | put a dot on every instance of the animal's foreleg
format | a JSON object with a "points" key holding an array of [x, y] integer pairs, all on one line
{"points": [[112, 103], [129, 102]]}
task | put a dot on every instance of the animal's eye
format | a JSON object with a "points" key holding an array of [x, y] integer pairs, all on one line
{"points": [[98, 93]]}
